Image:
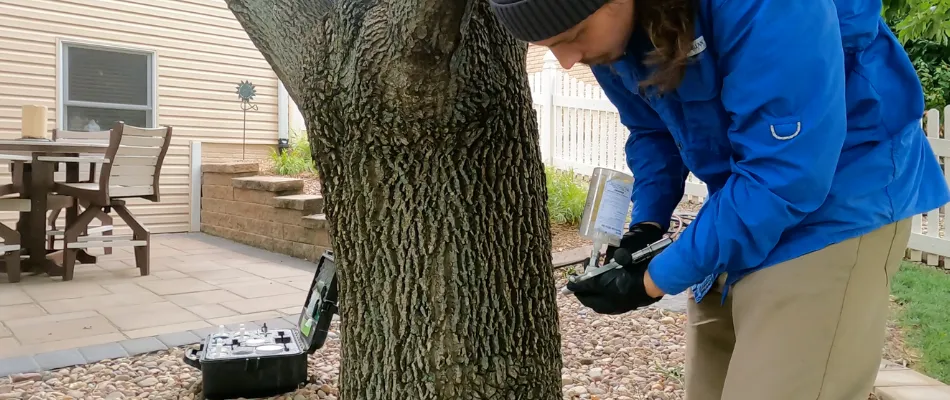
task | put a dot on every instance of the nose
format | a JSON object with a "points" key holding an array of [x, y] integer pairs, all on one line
{"points": [[566, 57]]}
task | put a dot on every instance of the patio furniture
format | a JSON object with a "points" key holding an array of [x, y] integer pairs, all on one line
{"points": [[16, 163], [10, 246], [33, 180], [132, 168], [93, 160]]}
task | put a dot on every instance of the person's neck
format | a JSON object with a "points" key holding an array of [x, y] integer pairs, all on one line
{"points": [[639, 43]]}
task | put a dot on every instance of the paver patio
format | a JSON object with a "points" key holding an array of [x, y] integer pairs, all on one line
{"points": [[197, 282]]}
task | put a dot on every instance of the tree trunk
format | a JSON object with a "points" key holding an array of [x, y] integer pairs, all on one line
{"points": [[423, 132]]}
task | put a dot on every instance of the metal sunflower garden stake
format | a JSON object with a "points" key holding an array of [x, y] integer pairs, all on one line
{"points": [[246, 92]]}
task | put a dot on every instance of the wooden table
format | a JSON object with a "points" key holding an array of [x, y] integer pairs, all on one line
{"points": [[36, 179]]}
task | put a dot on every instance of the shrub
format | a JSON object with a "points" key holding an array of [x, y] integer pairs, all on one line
{"points": [[928, 55], [935, 78], [294, 160], [566, 196]]}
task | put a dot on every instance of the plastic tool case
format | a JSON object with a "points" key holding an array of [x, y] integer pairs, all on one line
{"points": [[268, 362]]}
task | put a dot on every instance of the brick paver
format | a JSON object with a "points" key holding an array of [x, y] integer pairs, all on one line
{"points": [[197, 282]]}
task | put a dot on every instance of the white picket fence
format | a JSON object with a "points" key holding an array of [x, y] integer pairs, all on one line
{"points": [[580, 130]]}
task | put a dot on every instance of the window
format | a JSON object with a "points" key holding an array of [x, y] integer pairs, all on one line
{"points": [[103, 85]]}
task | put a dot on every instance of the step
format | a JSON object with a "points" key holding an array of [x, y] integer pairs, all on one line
{"points": [[315, 221], [273, 184], [896, 382], [242, 167], [309, 203], [913, 393]]}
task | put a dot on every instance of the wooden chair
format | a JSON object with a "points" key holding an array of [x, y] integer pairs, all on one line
{"points": [[131, 169], [105, 220], [11, 246], [93, 160]]}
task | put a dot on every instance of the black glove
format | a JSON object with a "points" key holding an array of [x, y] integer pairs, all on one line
{"points": [[639, 236], [616, 291], [620, 290]]}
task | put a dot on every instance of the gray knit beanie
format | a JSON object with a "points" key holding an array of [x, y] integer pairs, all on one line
{"points": [[535, 20]]}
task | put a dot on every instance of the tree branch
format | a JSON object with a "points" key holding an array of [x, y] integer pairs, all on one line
{"points": [[278, 28], [420, 36]]}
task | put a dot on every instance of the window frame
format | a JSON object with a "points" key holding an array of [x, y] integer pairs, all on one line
{"points": [[62, 83]]}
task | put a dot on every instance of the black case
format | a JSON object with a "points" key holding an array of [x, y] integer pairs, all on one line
{"points": [[249, 370]]}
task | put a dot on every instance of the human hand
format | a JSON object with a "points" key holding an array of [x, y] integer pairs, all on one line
{"points": [[616, 291], [651, 288], [638, 237]]}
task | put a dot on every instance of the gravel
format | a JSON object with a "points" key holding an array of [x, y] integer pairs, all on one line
{"points": [[634, 356]]}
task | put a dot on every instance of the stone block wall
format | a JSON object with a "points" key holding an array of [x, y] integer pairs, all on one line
{"points": [[267, 212]]}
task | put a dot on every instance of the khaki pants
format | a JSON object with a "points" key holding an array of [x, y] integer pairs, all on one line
{"points": [[812, 328]]}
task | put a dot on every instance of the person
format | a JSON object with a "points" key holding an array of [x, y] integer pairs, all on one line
{"points": [[803, 119]]}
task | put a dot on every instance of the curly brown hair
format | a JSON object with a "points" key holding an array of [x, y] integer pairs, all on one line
{"points": [[669, 25]]}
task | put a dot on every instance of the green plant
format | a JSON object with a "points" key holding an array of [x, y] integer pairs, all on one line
{"points": [[294, 160], [566, 272], [935, 79], [919, 19], [566, 196], [675, 374], [928, 52]]}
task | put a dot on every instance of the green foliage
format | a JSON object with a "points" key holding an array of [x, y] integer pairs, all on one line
{"points": [[924, 294], [919, 19], [296, 159], [928, 50], [675, 373], [935, 78], [566, 196]]}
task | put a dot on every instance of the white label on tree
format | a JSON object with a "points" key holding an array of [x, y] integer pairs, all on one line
{"points": [[614, 204]]}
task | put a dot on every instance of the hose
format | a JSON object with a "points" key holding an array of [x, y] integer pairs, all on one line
{"points": [[680, 221]]}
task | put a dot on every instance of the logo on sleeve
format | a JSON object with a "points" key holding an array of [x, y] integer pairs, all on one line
{"points": [[699, 45]]}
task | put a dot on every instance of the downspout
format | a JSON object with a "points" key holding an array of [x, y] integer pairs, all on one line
{"points": [[283, 124]]}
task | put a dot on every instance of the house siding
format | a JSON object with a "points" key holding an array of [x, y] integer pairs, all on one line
{"points": [[202, 54], [535, 63]]}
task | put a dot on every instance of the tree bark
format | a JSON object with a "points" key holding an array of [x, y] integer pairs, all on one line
{"points": [[422, 130]]}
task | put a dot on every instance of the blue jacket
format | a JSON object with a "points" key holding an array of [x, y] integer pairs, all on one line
{"points": [[802, 118]]}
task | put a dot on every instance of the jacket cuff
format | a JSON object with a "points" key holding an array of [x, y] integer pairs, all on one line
{"points": [[668, 271]]}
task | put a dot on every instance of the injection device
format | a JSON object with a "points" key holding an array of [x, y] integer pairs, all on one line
{"points": [[603, 222]]}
